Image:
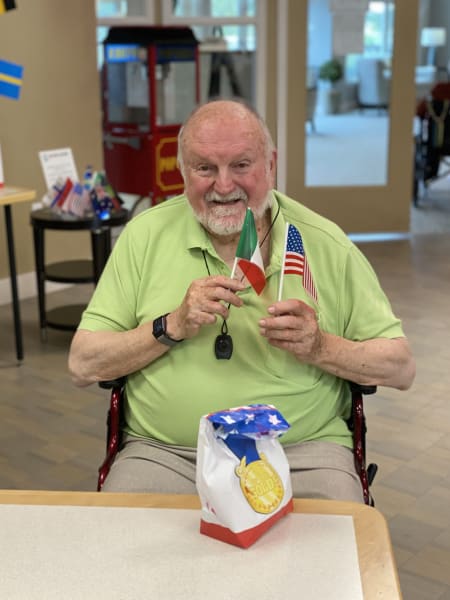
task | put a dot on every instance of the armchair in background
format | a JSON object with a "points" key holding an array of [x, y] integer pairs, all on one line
{"points": [[373, 84]]}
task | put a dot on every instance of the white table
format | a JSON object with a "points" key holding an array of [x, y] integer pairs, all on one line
{"points": [[80, 545]]}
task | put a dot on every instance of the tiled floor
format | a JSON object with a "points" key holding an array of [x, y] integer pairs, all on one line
{"points": [[409, 433], [52, 434]]}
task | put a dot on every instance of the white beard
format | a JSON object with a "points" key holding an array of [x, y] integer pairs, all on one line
{"points": [[220, 220]]}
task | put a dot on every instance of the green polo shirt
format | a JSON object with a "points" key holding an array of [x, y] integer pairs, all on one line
{"points": [[157, 256]]}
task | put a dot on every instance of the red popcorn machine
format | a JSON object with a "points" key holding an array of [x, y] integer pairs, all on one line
{"points": [[150, 84]]}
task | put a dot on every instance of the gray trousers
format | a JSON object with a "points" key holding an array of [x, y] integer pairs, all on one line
{"points": [[318, 470]]}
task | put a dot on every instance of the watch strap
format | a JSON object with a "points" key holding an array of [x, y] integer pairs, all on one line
{"points": [[160, 331]]}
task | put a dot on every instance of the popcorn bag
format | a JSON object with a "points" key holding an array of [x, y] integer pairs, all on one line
{"points": [[243, 476]]}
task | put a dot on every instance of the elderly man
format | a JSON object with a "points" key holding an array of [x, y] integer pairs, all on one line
{"points": [[166, 297]]}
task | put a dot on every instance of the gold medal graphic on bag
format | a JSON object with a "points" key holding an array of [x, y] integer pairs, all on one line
{"points": [[260, 484]]}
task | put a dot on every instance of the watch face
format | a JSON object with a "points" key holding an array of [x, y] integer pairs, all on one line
{"points": [[159, 327], [159, 332]]}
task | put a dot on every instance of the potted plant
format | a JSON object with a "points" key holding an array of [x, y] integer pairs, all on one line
{"points": [[332, 72]]}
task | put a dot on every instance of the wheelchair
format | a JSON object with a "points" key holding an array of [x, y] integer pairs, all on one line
{"points": [[432, 147], [356, 423]]}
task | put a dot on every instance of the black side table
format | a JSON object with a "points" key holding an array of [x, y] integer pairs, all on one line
{"points": [[72, 271]]}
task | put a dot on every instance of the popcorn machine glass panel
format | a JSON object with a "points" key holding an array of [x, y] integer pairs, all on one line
{"points": [[128, 85], [175, 81]]}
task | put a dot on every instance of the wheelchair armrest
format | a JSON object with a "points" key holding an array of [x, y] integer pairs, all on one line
{"points": [[365, 390], [112, 383], [114, 423], [357, 425]]}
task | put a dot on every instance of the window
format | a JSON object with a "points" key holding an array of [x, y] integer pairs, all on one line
{"points": [[236, 20], [229, 63], [229, 26], [379, 29], [378, 37], [119, 9], [120, 12], [213, 8]]}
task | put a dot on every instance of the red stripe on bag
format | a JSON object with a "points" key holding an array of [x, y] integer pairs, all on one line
{"points": [[245, 538]]}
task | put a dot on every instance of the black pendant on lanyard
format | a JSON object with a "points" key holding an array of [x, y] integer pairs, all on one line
{"points": [[223, 346]]}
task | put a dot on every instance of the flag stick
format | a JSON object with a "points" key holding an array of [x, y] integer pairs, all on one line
{"points": [[280, 289], [235, 264], [233, 271]]}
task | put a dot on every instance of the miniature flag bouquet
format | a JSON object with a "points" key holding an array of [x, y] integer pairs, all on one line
{"points": [[92, 196], [243, 476]]}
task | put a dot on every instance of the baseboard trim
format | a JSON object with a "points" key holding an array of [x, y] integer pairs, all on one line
{"points": [[27, 288]]}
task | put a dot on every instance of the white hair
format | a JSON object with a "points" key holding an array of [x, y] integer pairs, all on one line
{"points": [[269, 146]]}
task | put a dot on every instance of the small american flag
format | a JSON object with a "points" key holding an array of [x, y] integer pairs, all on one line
{"points": [[295, 262]]}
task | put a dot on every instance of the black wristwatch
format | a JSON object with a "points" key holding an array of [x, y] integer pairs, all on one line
{"points": [[160, 333]]}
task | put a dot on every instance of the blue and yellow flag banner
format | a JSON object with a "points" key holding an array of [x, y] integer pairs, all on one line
{"points": [[6, 5], [10, 79]]}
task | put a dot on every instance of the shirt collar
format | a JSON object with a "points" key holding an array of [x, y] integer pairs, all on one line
{"points": [[197, 236]]}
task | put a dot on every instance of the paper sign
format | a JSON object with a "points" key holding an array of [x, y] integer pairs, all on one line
{"points": [[58, 164]]}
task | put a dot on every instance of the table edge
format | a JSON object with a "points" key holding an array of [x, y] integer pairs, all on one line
{"points": [[364, 518], [11, 194]]}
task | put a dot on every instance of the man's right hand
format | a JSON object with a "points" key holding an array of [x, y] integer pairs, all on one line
{"points": [[104, 355], [205, 299]]}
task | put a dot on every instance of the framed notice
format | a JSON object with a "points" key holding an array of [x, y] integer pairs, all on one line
{"points": [[58, 164]]}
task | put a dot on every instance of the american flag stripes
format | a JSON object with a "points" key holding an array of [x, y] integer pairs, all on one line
{"points": [[295, 262]]}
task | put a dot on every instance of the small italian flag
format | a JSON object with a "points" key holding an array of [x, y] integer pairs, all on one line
{"points": [[248, 255]]}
